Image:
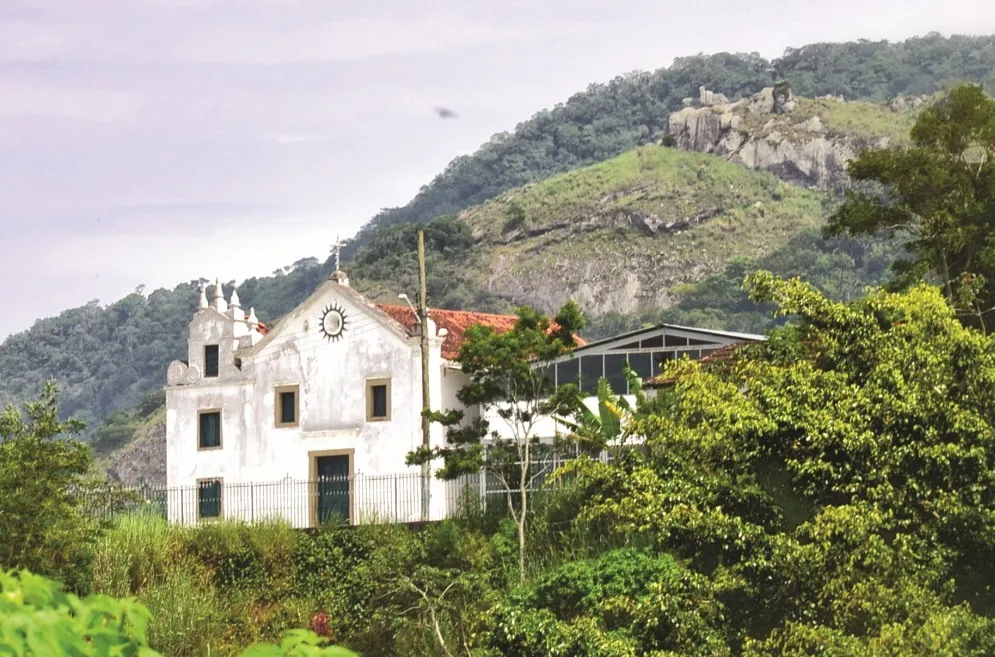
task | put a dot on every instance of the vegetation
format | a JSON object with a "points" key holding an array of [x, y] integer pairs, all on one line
{"points": [[840, 267], [41, 620], [940, 193], [831, 493], [42, 520], [630, 111], [507, 377]]}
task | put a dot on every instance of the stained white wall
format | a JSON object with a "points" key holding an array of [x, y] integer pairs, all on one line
{"points": [[332, 377]]}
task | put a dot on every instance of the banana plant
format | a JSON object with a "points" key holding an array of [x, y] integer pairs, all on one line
{"points": [[606, 429]]}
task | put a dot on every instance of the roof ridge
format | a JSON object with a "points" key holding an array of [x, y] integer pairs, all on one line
{"points": [[450, 310]]}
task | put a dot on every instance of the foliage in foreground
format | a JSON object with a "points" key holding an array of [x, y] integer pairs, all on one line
{"points": [[41, 620]]}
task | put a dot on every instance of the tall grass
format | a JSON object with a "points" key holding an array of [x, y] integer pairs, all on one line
{"points": [[138, 551], [188, 618]]}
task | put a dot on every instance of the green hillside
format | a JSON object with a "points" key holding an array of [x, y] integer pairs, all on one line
{"points": [[652, 234], [608, 119]]}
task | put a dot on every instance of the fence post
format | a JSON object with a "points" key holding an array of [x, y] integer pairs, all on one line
{"points": [[483, 488], [183, 513], [252, 501], [396, 509]]}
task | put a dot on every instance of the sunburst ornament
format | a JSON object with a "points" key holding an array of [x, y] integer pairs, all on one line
{"points": [[333, 322]]}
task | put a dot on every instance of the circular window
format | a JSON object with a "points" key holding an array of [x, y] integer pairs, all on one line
{"points": [[333, 322]]}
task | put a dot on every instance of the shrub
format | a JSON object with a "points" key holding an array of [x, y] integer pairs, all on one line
{"points": [[626, 602], [514, 217], [243, 557], [42, 469]]}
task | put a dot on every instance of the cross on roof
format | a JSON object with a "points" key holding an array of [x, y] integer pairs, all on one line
{"points": [[337, 250]]}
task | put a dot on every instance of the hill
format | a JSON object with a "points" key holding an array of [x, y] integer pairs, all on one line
{"points": [[608, 119]]}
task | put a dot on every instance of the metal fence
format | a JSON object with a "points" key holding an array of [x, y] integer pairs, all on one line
{"points": [[356, 499]]}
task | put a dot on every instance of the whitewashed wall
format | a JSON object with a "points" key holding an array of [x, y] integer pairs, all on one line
{"points": [[332, 378]]}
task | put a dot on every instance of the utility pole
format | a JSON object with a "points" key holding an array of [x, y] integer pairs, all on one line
{"points": [[426, 468]]}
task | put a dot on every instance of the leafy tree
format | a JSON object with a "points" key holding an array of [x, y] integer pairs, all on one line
{"points": [[835, 485], [940, 194], [508, 377], [42, 472]]}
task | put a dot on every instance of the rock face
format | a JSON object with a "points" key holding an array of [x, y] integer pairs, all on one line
{"points": [[802, 152], [143, 461]]}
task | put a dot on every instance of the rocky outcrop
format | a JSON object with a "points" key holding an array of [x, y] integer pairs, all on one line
{"points": [[803, 152], [142, 461], [906, 103]]}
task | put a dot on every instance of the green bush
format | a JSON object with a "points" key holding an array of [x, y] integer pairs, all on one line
{"points": [[626, 602], [243, 557]]}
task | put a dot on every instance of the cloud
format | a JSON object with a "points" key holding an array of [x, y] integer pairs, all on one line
{"points": [[359, 39]]}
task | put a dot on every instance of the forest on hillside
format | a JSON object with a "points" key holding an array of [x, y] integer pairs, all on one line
{"points": [[109, 358], [609, 118]]}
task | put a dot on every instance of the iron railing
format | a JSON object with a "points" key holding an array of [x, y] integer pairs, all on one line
{"points": [[355, 499]]}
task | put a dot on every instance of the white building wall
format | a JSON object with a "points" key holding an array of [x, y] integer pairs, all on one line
{"points": [[332, 376]]}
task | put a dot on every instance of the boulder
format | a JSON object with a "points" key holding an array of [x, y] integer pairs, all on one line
{"points": [[761, 102], [784, 100], [709, 98]]}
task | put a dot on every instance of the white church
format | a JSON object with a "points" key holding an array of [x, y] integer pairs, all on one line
{"points": [[310, 420]]}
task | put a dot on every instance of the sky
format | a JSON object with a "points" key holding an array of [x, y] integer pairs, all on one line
{"points": [[150, 142]]}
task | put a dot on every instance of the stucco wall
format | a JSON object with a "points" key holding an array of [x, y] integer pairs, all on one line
{"points": [[332, 377]]}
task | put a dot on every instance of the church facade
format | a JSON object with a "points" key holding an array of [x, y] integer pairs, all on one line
{"points": [[296, 419]]}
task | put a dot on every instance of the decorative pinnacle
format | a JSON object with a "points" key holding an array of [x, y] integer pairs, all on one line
{"points": [[203, 297], [235, 302]]}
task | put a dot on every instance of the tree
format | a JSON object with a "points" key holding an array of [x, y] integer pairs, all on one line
{"points": [[940, 193], [836, 484], [42, 468], [508, 376], [610, 427]]}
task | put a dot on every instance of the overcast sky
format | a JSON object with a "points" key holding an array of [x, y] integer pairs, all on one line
{"points": [[158, 141]]}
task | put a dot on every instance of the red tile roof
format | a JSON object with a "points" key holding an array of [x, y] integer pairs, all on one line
{"points": [[456, 322]]}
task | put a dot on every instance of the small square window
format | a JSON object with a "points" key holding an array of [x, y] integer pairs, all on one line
{"points": [[378, 400], [287, 406], [209, 433], [209, 498], [211, 361]]}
